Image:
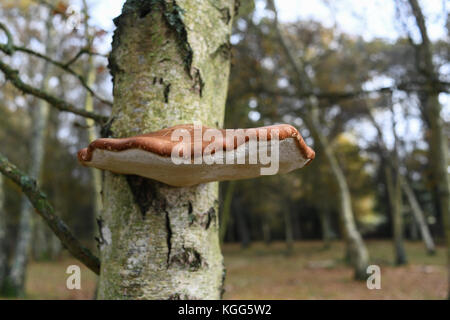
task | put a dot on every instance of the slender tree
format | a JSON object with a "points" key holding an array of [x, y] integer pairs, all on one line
{"points": [[15, 282], [356, 249], [90, 76], [438, 143]]}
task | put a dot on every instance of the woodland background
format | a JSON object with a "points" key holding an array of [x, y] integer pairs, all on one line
{"points": [[282, 236]]}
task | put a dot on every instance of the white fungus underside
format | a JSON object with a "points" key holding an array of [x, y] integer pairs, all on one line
{"points": [[154, 166]]}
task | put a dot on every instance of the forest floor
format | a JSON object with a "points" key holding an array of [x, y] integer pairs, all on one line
{"points": [[267, 272]]}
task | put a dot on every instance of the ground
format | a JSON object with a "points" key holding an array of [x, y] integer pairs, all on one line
{"points": [[266, 272]]}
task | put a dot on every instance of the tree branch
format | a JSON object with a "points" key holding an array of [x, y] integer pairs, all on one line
{"points": [[40, 203], [13, 76], [63, 66], [9, 44]]}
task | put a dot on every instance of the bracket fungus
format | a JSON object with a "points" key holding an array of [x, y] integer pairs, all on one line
{"points": [[187, 155]]}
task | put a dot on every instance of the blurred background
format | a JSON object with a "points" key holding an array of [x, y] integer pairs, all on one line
{"points": [[365, 82]]}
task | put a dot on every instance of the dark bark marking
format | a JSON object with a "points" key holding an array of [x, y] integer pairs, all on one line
{"points": [[188, 258], [224, 51], [100, 239], [237, 4], [222, 285], [146, 194], [226, 15], [191, 216], [166, 92], [105, 131], [169, 238], [181, 296], [209, 216], [198, 82], [172, 14]]}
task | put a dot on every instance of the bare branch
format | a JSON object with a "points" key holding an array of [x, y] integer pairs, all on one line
{"points": [[40, 203], [63, 66], [13, 76], [75, 58], [9, 48], [9, 44]]}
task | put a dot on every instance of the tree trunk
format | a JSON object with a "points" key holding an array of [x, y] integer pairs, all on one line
{"points": [[242, 228], [419, 218], [325, 225], [396, 209], [16, 277], [437, 140], [15, 283], [266, 233], [289, 236], [90, 76], [170, 65], [296, 229], [226, 211], [356, 250]]}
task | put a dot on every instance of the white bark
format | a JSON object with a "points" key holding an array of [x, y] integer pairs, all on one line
{"points": [[419, 217]]}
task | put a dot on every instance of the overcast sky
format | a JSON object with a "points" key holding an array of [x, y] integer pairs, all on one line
{"points": [[369, 18]]}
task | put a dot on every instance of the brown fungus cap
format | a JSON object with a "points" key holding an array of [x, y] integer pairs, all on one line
{"points": [[149, 155]]}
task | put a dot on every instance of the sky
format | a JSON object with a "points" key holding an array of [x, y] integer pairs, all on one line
{"points": [[368, 18]]}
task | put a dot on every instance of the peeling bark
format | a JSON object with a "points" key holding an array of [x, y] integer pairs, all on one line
{"points": [[164, 240]]}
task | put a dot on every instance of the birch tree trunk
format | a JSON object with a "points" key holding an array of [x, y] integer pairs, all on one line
{"points": [[90, 76], [15, 282], [356, 249], [170, 65], [438, 140], [16, 277], [288, 233], [226, 209], [419, 217], [325, 227], [396, 209]]}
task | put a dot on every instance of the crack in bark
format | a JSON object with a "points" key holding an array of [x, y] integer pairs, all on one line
{"points": [[222, 284], [198, 82], [100, 240], [166, 92], [210, 216], [191, 216], [168, 238], [237, 4]]}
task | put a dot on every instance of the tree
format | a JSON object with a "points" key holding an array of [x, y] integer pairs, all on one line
{"points": [[356, 250], [15, 280], [170, 65], [438, 145]]}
